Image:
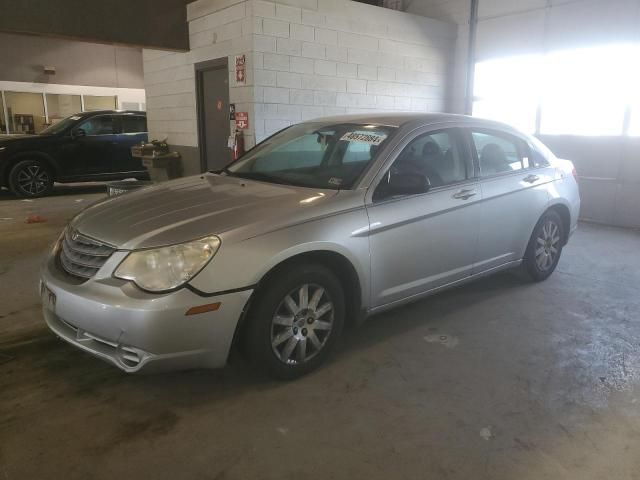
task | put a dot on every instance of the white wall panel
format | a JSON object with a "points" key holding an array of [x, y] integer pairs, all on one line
{"points": [[510, 35], [590, 22]]}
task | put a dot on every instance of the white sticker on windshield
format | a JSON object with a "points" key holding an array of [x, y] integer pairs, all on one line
{"points": [[75, 117], [370, 138], [335, 181]]}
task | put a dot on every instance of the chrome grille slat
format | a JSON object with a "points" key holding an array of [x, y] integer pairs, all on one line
{"points": [[81, 256], [84, 249], [81, 259]]}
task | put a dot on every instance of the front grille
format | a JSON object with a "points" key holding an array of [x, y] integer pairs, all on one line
{"points": [[82, 256]]}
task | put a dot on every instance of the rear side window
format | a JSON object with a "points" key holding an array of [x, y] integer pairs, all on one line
{"points": [[134, 124], [499, 152]]}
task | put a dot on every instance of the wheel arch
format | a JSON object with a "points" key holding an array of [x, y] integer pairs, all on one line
{"points": [[565, 215], [339, 264], [30, 155]]}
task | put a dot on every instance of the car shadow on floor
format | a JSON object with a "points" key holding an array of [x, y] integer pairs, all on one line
{"points": [[62, 189], [83, 375]]}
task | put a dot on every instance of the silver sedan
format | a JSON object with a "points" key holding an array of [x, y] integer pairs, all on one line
{"points": [[320, 225]]}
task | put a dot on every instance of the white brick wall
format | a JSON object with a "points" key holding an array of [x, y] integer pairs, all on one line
{"points": [[348, 57], [306, 58]]}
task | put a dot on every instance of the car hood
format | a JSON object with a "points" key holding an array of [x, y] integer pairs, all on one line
{"points": [[194, 207], [8, 138]]}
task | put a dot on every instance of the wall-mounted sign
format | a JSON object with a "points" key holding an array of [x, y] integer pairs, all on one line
{"points": [[232, 111], [242, 120], [219, 105], [241, 70]]}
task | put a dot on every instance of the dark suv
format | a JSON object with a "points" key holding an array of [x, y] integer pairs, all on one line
{"points": [[87, 147]]}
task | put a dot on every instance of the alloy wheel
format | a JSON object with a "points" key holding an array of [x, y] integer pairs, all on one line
{"points": [[302, 324], [547, 244], [33, 179]]}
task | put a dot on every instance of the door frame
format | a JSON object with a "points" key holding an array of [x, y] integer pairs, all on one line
{"points": [[200, 68]]}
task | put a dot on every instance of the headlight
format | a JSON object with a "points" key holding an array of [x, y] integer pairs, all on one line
{"points": [[166, 268]]}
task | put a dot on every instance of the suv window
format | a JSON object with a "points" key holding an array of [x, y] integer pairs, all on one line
{"points": [[436, 155], [133, 124], [499, 152], [100, 125]]}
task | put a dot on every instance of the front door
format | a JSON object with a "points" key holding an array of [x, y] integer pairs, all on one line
{"points": [[420, 242], [514, 194], [91, 148], [213, 112]]}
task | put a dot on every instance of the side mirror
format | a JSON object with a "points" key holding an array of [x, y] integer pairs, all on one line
{"points": [[78, 132], [406, 184]]}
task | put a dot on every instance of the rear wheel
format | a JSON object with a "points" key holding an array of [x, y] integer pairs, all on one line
{"points": [[545, 247], [31, 178], [295, 321]]}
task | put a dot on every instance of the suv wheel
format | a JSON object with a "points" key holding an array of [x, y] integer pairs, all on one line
{"points": [[295, 321], [545, 247], [30, 178]]}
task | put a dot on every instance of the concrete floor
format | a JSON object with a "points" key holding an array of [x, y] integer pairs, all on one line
{"points": [[500, 379]]}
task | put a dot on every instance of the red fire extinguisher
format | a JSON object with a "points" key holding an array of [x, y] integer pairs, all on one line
{"points": [[238, 145]]}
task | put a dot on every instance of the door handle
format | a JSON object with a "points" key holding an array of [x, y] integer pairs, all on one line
{"points": [[531, 178], [464, 194]]}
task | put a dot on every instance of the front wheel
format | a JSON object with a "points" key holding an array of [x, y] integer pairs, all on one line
{"points": [[545, 247], [30, 178], [295, 321]]}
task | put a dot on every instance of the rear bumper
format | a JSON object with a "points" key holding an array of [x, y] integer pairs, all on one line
{"points": [[136, 331]]}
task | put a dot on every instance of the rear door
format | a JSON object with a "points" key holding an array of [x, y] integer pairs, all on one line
{"points": [[132, 130], [514, 195], [420, 242]]}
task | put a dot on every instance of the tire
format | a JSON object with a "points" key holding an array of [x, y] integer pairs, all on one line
{"points": [[31, 179], [283, 337], [545, 247]]}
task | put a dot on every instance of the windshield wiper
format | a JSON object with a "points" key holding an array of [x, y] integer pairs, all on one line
{"points": [[224, 170], [262, 177]]}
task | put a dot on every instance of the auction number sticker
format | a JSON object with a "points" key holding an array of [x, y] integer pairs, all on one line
{"points": [[364, 137]]}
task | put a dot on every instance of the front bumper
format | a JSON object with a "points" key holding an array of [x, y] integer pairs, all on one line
{"points": [[134, 330]]}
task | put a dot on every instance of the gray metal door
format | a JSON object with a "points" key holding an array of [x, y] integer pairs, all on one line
{"points": [[213, 110]]}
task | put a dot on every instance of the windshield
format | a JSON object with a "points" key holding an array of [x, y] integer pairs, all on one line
{"points": [[61, 125], [316, 155]]}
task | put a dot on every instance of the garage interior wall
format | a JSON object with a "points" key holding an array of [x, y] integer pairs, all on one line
{"points": [[305, 59], [23, 58], [608, 166], [96, 73]]}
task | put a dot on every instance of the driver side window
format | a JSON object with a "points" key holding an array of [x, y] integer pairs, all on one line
{"points": [[100, 125], [436, 156]]}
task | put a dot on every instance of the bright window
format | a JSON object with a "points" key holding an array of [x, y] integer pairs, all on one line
{"points": [[634, 121], [584, 91], [61, 106], [93, 102], [25, 112], [508, 90], [520, 113]]}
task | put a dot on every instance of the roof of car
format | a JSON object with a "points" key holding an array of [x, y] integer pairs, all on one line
{"points": [[98, 112], [397, 119]]}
